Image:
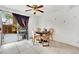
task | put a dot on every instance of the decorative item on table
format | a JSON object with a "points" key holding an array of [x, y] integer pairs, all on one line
{"points": [[45, 29]]}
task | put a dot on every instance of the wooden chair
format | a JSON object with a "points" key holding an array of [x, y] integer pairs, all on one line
{"points": [[51, 33], [35, 37], [38, 29], [46, 39]]}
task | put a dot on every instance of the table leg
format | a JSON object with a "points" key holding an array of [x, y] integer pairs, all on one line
{"points": [[40, 41]]}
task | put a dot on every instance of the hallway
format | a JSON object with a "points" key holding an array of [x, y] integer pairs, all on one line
{"points": [[26, 47]]}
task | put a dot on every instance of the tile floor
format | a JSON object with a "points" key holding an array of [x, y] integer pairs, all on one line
{"points": [[8, 38], [26, 47]]}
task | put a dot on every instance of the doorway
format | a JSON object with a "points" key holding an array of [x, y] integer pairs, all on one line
{"points": [[10, 32], [9, 28]]}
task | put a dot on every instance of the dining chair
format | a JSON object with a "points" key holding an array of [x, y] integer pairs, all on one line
{"points": [[35, 37], [51, 33], [38, 29], [46, 39]]}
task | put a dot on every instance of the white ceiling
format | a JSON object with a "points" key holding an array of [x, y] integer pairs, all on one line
{"points": [[47, 9], [20, 8]]}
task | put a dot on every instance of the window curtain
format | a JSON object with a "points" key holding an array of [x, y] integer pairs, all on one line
{"points": [[23, 22]]}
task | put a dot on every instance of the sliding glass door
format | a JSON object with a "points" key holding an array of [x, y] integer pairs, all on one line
{"points": [[9, 28]]}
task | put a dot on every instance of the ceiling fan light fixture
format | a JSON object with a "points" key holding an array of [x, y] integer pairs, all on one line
{"points": [[34, 12], [35, 8]]}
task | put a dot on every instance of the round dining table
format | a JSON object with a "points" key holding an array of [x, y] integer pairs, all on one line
{"points": [[41, 33]]}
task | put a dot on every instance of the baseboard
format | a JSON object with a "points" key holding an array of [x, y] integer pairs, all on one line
{"points": [[70, 43]]}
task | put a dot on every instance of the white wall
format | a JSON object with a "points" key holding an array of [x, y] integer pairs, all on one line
{"points": [[33, 24], [65, 21]]}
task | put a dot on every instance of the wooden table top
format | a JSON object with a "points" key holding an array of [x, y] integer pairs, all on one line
{"points": [[43, 32]]}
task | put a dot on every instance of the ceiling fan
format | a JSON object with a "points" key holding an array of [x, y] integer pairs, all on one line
{"points": [[35, 8]]}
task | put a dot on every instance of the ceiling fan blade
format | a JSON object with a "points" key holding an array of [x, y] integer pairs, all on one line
{"points": [[28, 10], [29, 6], [40, 6], [41, 11]]}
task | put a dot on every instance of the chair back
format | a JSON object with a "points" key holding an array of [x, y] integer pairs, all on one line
{"points": [[51, 33], [51, 30], [38, 29]]}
